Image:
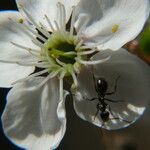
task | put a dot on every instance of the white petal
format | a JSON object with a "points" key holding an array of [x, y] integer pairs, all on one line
{"points": [[35, 119], [38, 9], [9, 33], [132, 88], [90, 9], [9, 73], [113, 23]]}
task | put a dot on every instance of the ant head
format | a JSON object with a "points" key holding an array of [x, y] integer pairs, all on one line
{"points": [[104, 116], [102, 85]]}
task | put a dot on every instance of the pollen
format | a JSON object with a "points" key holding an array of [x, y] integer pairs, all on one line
{"points": [[55, 56], [115, 28], [21, 20]]}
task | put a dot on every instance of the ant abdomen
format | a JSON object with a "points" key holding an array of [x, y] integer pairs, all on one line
{"points": [[104, 116]]}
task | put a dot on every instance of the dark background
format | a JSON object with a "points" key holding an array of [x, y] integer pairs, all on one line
{"points": [[81, 135], [4, 143]]}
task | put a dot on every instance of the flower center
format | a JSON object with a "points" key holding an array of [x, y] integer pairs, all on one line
{"points": [[61, 51], [61, 48]]}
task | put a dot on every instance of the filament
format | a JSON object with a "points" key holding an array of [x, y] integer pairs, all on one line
{"points": [[49, 22], [86, 52], [92, 62]]}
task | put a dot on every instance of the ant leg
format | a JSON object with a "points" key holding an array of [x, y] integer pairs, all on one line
{"points": [[92, 99], [94, 80], [96, 114], [114, 101], [117, 118], [85, 98], [101, 128], [115, 88], [109, 108]]}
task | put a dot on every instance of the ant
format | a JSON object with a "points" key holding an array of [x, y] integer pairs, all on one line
{"points": [[101, 87]]}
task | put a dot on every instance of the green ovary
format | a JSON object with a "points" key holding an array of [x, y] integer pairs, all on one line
{"points": [[58, 47]]}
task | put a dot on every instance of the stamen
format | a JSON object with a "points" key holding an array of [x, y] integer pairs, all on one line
{"points": [[37, 43], [50, 60], [27, 63], [31, 76], [43, 66], [63, 18], [23, 63], [74, 78], [20, 20], [25, 31], [70, 53], [45, 29], [60, 62], [61, 84], [92, 62], [62, 74], [51, 75], [60, 88], [72, 21], [62, 15], [35, 33], [8, 61], [86, 52], [60, 31], [85, 21], [115, 28], [57, 26], [45, 33], [79, 45], [25, 48], [97, 44], [76, 68], [87, 47], [49, 22], [59, 14], [35, 54]]}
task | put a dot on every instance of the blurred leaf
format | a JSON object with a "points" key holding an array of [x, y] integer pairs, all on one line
{"points": [[145, 41]]}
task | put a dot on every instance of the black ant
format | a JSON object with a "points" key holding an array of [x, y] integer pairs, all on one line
{"points": [[101, 87]]}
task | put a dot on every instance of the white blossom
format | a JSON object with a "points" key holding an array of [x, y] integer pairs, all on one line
{"points": [[47, 41]]}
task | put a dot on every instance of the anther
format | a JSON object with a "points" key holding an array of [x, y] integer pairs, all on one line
{"points": [[115, 28], [21, 20]]}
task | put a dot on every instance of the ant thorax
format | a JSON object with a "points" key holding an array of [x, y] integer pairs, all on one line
{"points": [[101, 87]]}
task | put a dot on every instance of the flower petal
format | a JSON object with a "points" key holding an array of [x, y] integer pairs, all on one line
{"points": [[38, 9], [132, 89], [35, 119], [114, 23], [9, 33]]}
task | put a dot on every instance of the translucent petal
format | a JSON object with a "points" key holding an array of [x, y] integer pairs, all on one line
{"points": [[132, 89]]}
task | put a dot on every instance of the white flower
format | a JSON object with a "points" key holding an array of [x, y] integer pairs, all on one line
{"points": [[39, 37]]}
